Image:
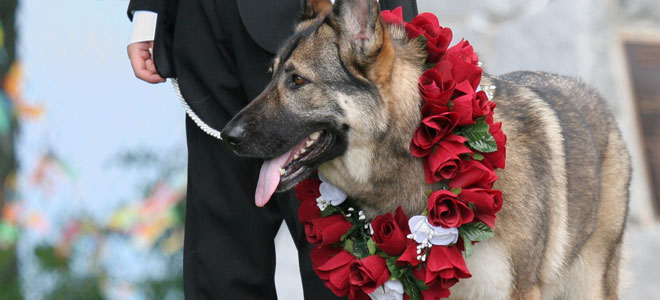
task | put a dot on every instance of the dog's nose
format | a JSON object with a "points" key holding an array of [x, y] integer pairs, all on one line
{"points": [[233, 134]]}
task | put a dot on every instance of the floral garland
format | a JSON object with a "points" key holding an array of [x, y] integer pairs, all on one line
{"points": [[396, 257]]}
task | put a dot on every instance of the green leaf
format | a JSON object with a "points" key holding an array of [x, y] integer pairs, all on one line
{"points": [[421, 285], [411, 286], [478, 136], [348, 233], [371, 245], [329, 210], [486, 144], [428, 193], [469, 249], [474, 232], [429, 66], [49, 259], [456, 190], [425, 212], [477, 156], [392, 266], [360, 249], [348, 245]]}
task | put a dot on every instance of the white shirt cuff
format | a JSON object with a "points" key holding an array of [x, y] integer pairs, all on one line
{"points": [[144, 26]]}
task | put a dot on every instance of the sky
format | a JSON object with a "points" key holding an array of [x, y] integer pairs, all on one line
{"points": [[74, 58], [73, 55]]}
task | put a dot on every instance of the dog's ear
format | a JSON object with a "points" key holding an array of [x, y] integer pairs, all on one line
{"points": [[361, 29], [314, 8]]}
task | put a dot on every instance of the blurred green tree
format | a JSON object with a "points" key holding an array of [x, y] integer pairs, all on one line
{"points": [[9, 282]]}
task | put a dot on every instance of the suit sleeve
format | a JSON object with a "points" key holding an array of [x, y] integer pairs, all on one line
{"points": [[409, 7], [135, 5]]}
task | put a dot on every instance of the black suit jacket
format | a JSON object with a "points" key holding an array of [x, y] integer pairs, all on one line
{"points": [[259, 17]]}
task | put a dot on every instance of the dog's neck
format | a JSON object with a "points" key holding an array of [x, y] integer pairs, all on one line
{"points": [[380, 173]]}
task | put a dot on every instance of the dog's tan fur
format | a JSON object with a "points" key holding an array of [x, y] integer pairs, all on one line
{"points": [[565, 185]]}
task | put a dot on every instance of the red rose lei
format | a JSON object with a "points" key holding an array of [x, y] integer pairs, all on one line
{"points": [[461, 146]]}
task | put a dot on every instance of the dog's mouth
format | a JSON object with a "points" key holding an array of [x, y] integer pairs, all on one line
{"points": [[283, 172]]}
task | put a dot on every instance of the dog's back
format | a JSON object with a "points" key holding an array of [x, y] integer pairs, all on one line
{"points": [[565, 185]]}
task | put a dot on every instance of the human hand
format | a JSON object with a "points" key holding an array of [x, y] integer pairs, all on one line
{"points": [[143, 63]]}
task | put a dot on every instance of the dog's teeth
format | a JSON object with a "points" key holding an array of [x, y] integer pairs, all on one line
{"points": [[315, 135], [309, 143], [303, 150], [282, 171], [295, 156]]}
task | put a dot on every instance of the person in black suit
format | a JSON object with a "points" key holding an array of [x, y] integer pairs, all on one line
{"points": [[220, 51]]}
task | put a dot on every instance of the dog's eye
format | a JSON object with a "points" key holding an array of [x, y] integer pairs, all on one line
{"points": [[297, 80]]}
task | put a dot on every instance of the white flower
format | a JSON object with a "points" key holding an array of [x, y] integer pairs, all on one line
{"points": [[322, 204], [423, 231], [331, 193], [390, 290]]}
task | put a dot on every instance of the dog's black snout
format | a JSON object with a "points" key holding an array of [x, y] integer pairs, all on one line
{"points": [[233, 133]]}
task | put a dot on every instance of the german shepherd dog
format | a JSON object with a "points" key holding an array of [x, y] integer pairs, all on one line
{"points": [[344, 99]]}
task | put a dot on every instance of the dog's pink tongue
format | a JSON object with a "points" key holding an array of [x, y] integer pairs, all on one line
{"points": [[269, 178]]}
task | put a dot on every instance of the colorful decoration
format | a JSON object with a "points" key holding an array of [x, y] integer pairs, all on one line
{"points": [[396, 257], [10, 209]]}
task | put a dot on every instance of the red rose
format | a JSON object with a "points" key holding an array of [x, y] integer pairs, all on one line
{"points": [[435, 291], [446, 210], [308, 189], [322, 254], [388, 233], [487, 203], [367, 274], [439, 123], [402, 220], [465, 63], [444, 161], [357, 294], [462, 104], [307, 211], [409, 256], [444, 267], [425, 24], [464, 51], [394, 16], [481, 106], [437, 84], [332, 265], [437, 38], [497, 159], [326, 231], [438, 48], [473, 174]]}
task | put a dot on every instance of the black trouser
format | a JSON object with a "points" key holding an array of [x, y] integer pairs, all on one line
{"points": [[229, 249]]}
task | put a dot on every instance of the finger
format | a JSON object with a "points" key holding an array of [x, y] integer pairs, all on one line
{"points": [[143, 65], [137, 63], [141, 72], [151, 67], [149, 76], [153, 78]]}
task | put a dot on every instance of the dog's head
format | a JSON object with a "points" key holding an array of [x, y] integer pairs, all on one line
{"points": [[328, 102]]}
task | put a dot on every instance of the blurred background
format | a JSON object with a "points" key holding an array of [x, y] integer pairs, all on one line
{"points": [[93, 161]]}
